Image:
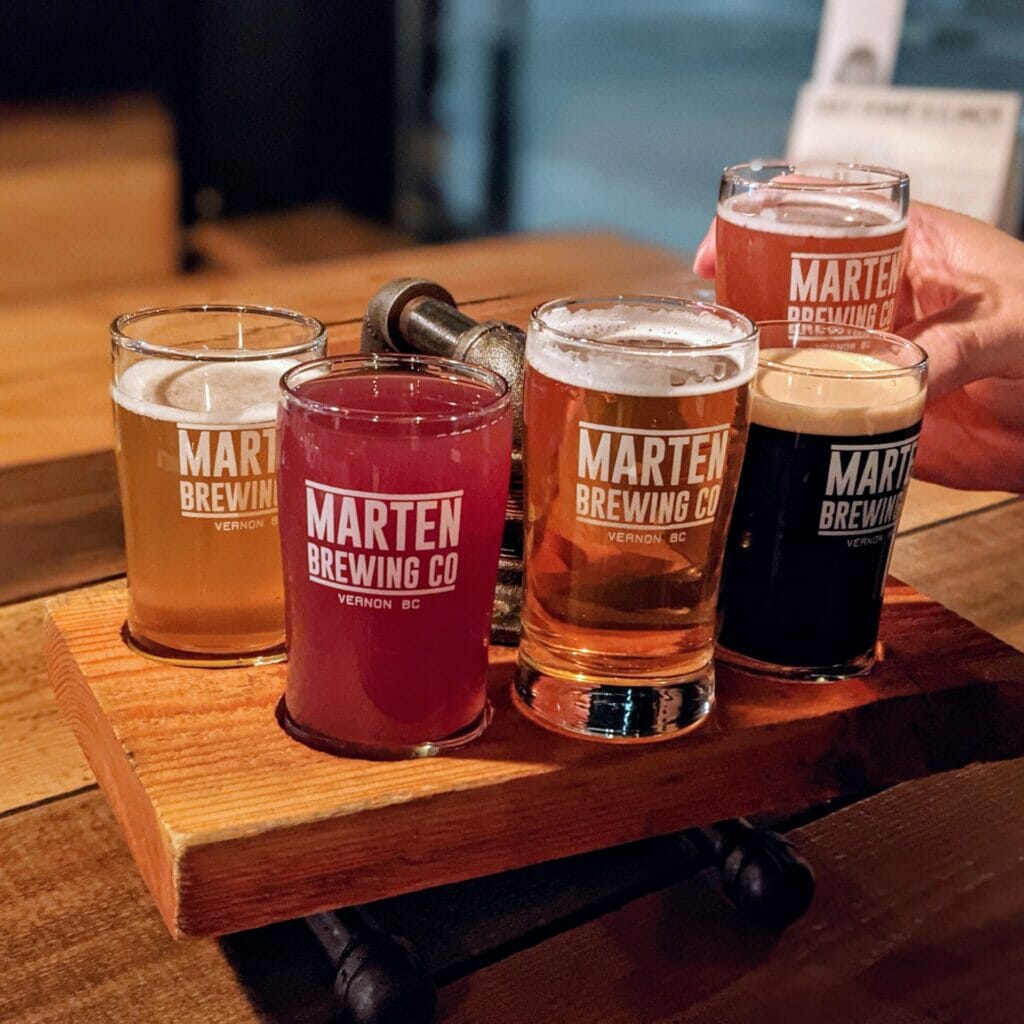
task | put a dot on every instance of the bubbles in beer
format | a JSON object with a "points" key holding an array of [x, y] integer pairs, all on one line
{"points": [[202, 392], [642, 351]]}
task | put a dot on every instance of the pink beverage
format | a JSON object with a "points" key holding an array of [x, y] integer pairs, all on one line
{"points": [[392, 485]]}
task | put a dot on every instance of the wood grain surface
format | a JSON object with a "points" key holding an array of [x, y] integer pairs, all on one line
{"points": [[36, 426], [80, 940], [60, 525], [930, 504], [974, 564], [214, 798], [916, 920], [39, 758]]}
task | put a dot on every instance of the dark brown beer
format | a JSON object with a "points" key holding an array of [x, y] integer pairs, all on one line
{"points": [[827, 467]]}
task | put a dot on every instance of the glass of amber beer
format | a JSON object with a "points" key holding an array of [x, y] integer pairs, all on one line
{"points": [[394, 475], [636, 417], [817, 242], [195, 395], [834, 423]]}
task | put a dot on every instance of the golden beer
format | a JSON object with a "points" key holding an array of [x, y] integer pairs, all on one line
{"points": [[636, 415], [196, 454]]}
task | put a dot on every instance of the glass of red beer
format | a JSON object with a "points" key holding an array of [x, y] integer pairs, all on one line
{"points": [[392, 485], [813, 242]]}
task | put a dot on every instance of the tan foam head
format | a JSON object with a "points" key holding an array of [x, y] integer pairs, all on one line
{"points": [[868, 401]]}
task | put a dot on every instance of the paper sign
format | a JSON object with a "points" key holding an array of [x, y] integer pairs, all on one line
{"points": [[957, 145], [858, 41]]}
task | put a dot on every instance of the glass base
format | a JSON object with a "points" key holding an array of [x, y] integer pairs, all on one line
{"points": [[201, 659], [859, 666], [346, 748], [615, 711]]}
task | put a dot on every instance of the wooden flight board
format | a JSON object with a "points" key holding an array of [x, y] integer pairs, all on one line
{"points": [[234, 825]]}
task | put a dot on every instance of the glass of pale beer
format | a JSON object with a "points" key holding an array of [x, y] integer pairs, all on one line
{"points": [[636, 418], [834, 424], [816, 242], [195, 396]]}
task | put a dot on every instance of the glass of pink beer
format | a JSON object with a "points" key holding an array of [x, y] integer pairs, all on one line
{"points": [[392, 485], [816, 242]]}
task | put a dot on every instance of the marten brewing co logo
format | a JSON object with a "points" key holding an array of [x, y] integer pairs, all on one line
{"points": [[854, 288], [642, 484], [865, 489], [227, 473], [377, 546]]}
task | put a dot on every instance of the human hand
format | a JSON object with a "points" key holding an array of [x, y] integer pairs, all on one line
{"points": [[962, 300]]}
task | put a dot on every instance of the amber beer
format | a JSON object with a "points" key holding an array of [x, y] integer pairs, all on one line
{"points": [[636, 414], [195, 427], [835, 420], [818, 243]]}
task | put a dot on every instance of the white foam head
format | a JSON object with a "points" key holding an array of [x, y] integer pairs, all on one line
{"points": [[813, 214], [647, 351], [237, 392]]}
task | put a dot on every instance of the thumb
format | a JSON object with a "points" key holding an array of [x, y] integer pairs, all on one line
{"points": [[705, 259]]}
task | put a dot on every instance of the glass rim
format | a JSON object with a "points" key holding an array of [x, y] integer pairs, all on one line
{"points": [[396, 361], [886, 177], [119, 325], [732, 316], [844, 331]]}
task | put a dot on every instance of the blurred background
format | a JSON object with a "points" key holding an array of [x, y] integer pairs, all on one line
{"points": [[140, 138]]}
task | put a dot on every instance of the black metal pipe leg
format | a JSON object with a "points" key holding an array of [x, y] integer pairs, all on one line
{"points": [[381, 979], [762, 874]]}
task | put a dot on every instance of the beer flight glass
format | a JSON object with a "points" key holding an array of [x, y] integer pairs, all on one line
{"points": [[636, 417], [394, 472], [815, 242], [834, 424], [195, 394]]}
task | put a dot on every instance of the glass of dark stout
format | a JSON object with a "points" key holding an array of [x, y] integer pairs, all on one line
{"points": [[834, 426]]}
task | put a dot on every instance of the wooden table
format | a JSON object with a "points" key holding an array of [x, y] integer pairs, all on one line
{"points": [[920, 907]]}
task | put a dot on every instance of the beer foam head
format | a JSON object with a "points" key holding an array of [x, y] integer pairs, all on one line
{"points": [[854, 393], [202, 392], [812, 214], [647, 351]]}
